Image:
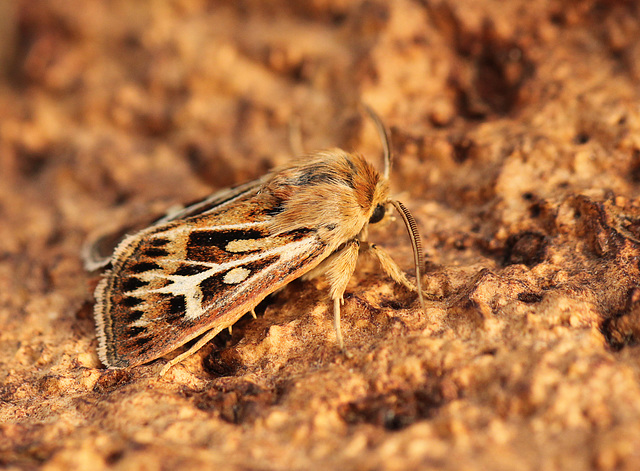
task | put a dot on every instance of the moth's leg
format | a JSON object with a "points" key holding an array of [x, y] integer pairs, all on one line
{"points": [[339, 271], [322, 268], [199, 344], [392, 269]]}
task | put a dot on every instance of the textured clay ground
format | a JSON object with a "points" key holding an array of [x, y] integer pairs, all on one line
{"points": [[516, 131]]}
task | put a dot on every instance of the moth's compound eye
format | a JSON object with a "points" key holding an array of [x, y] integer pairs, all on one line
{"points": [[378, 214]]}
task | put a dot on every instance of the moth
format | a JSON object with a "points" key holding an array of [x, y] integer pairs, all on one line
{"points": [[198, 270]]}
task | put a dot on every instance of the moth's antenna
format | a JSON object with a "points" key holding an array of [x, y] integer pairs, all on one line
{"points": [[414, 235], [384, 137]]}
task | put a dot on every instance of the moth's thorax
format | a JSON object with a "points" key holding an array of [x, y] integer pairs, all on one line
{"points": [[332, 192]]}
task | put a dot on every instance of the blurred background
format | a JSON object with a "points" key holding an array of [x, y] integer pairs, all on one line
{"points": [[516, 131]]}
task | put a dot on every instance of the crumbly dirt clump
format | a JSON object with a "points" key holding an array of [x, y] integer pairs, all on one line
{"points": [[516, 133]]}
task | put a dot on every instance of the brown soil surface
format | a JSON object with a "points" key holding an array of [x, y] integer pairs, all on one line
{"points": [[516, 130]]}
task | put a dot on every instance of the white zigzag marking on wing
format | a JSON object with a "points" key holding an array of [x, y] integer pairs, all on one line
{"points": [[188, 285]]}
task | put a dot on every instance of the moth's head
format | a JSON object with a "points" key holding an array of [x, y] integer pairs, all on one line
{"points": [[371, 189]]}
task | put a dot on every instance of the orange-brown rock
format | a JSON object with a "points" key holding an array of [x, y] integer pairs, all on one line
{"points": [[516, 131]]}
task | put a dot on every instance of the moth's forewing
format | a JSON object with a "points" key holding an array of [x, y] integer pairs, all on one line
{"points": [[173, 282]]}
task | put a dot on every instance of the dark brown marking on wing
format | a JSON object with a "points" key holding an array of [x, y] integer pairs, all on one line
{"points": [[211, 286], [154, 252], [131, 316], [206, 254], [159, 242], [298, 234], [132, 284], [207, 246], [190, 270], [176, 306], [220, 239], [130, 301], [170, 308], [142, 267], [135, 331], [141, 343], [258, 265]]}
